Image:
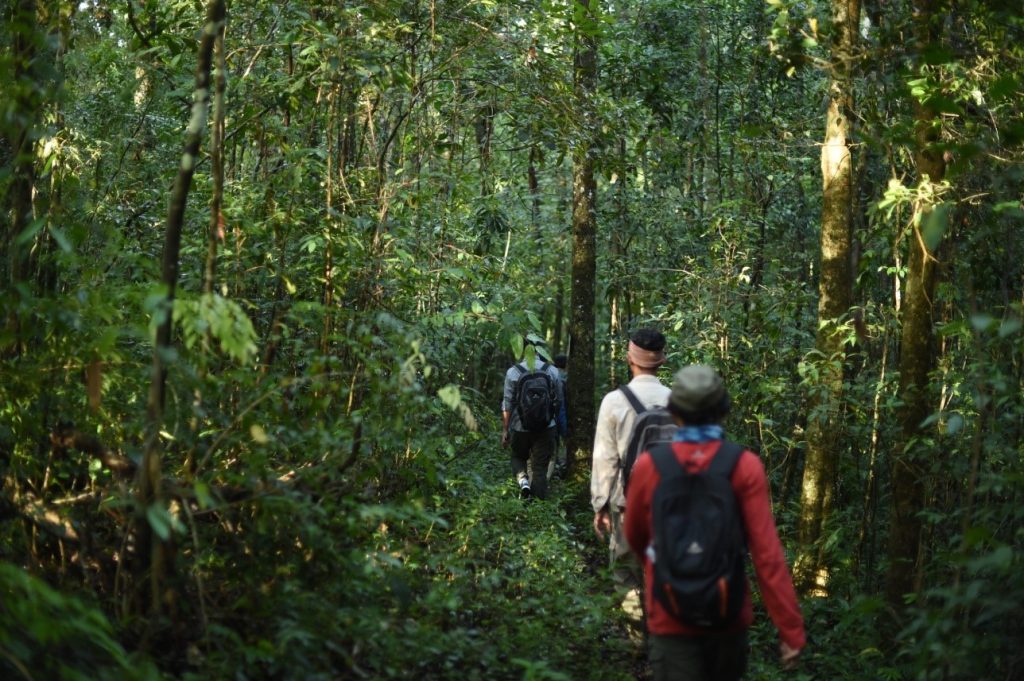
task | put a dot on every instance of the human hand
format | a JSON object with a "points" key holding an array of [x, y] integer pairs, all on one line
{"points": [[788, 656], [504, 439], [602, 524]]}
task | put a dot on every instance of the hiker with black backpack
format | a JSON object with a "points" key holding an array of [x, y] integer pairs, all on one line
{"points": [[529, 407], [645, 354], [695, 508]]}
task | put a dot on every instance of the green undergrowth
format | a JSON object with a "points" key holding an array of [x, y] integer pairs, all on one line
{"points": [[45, 634], [495, 587], [457, 579], [466, 582]]}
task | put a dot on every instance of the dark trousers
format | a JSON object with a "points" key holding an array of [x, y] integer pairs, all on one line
{"points": [[536, 446], [711, 657]]}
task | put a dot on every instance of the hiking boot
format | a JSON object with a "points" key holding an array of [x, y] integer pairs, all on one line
{"points": [[524, 488]]}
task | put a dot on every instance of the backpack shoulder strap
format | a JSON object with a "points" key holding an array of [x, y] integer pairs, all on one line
{"points": [[519, 369], [665, 461], [726, 458], [634, 401]]}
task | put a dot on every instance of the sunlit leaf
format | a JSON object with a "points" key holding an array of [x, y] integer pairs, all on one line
{"points": [[259, 436]]}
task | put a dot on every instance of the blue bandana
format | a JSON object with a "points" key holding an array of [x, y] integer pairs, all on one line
{"points": [[698, 434]]}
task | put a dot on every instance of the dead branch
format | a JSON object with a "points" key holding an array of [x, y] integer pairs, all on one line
{"points": [[64, 437], [32, 509]]}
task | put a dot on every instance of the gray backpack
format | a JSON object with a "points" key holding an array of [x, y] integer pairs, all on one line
{"points": [[652, 427]]}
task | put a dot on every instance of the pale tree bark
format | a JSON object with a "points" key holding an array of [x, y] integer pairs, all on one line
{"points": [[917, 357], [151, 563], [584, 240], [835, 297]]}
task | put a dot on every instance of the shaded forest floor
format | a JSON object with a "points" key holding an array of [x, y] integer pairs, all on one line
{"points": [[537, 575], [538, 581], [465, 582]]}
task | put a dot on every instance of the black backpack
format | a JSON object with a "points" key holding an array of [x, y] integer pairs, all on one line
{"points": [[652, 426], [699, 542], [535, 398]]}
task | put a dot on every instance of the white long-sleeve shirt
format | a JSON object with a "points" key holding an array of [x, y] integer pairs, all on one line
{"points": [[614, 424]]}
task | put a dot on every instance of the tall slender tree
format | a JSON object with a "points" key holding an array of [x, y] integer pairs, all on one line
{"points": [[917, 353], [584, 233], [152, 552], [835, 296]]}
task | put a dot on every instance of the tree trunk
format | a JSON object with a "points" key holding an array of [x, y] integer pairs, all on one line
{"points": [[21, 138], [584, 240], [916, 348], [217, 166], [534, 187], [835, 296], [330, 222], [151, 562]]}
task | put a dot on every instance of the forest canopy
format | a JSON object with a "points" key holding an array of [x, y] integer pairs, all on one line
{"points": [[265, 265]]}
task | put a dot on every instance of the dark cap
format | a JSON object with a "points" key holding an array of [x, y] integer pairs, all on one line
{"points": [[697, 388]]}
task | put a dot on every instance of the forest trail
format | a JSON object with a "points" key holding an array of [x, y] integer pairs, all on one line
{"points": [[555, 592], [537, 575], [270, 261]]}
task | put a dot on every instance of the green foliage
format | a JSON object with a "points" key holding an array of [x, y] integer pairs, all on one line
{"points": [[212, 317], [52, 635], [397, 194], [457, 585]]}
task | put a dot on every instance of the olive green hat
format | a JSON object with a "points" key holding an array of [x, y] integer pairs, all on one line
{"points": [[697, 388]]}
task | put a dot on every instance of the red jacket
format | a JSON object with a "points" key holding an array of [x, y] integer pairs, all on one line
{"points": [[750, 484]]}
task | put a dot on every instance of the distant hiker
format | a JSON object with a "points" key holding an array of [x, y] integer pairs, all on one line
{"points": [[558, 461], [529, 407], [693, 509], [644, 354]]}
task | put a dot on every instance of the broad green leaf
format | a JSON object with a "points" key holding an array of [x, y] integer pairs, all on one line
{"points": [[61, 238], [30, 232], [1009, 327], [999, 560], [982, 321], [202, 492], [933, 225], [159, 520]]}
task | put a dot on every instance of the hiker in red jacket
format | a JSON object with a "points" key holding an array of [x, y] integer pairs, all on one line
{"points": [[698, 402]]}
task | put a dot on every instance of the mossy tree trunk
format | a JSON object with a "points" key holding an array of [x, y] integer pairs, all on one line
{"points": [[917, 357], [835, 296], [584, 239]]}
